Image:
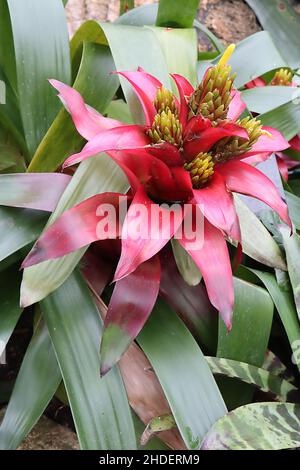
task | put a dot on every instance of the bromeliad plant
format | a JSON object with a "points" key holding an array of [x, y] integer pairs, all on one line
{"points": [[188, 154], [191, 152]]}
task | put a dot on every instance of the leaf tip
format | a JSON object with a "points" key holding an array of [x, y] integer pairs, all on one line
{"points": [[104, 369], [24, 301]]}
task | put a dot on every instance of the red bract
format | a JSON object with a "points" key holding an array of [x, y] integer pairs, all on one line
{"points": [[189, 152]]}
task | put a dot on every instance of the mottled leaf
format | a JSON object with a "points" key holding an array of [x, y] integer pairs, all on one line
{"points": [[261, 378], [258, 426]]}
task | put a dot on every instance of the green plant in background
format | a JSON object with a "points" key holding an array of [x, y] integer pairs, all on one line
{"points": [[70, 293]]}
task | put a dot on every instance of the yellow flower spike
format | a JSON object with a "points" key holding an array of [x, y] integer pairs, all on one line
{"points": [[201, 169], [232, 146], [282, 77], [226, 56], [166, 126], [212, 97]]}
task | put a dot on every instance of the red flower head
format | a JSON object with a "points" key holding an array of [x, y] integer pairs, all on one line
{"points": [[189, 151]]}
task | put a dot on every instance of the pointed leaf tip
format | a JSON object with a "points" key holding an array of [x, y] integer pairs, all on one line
{"points": [[103, 370]]}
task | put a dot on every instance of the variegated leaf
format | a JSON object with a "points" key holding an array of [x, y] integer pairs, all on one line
{"points": [[258, 426], [264, 380]]}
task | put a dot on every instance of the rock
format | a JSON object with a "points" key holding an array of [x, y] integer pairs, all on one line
{"points": [[48, 435], [230, 20]]}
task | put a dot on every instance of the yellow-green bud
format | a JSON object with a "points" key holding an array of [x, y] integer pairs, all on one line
{"points": [[166, 126], [201, 169], [233, 146], [165, 101], [213, 96], [282, 77]]}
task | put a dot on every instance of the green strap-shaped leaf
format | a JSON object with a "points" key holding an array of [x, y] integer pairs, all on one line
{"points": [[261, 378], [99, 405], [97, 87], [7, 50], [119, 110], [177, 14], [248, 339], [259, 426], [185, 264], [184, 375], [284, 302], [18, 228], [10, 310], [10, 118], [293, 203], [286, 118], [184, 42], [132, 47], [277, 16], [251, 328], [264, 99], [41, 51], [257, 241], [152, 444], [37, 381], [292, 249]]}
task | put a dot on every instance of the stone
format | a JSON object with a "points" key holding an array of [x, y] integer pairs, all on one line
{"points": [[230, 20]]}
